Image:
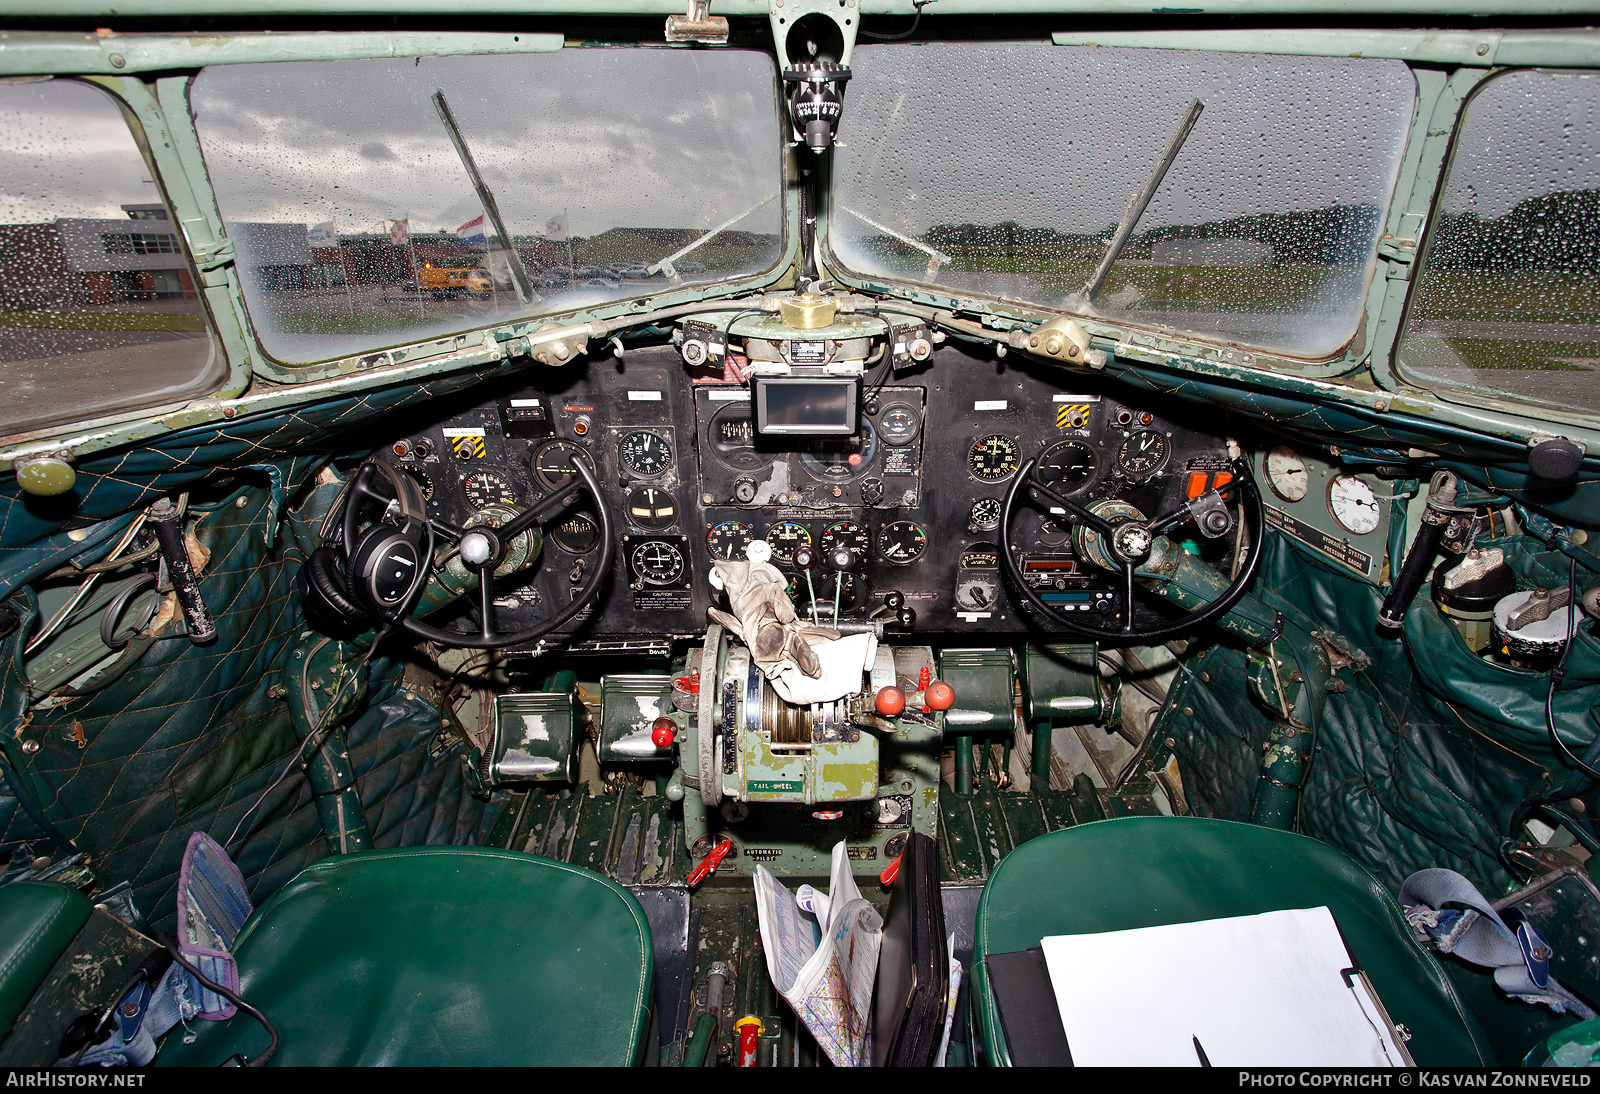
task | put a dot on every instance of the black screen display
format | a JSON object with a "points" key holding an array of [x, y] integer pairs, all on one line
{"points": [[806, 406]]}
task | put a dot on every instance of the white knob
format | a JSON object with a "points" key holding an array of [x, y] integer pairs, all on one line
{"points": [[758, 551], [475, 548], [716, 579]]}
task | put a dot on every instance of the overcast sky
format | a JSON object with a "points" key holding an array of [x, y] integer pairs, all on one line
{"points": [[635, 138], [66, 152], [1045, 135]]}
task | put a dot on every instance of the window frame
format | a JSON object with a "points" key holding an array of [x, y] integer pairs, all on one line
{"points": [[219, 375], [1441, 389]]}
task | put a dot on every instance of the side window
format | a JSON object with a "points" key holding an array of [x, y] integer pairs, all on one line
{"points": [[98, 308], [1508, 298]]}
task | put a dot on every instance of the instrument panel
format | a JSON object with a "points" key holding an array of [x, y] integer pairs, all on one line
{"points": [[911, 504]]}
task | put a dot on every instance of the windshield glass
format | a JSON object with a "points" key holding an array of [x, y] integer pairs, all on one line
{"points": [[98, 307], [1508, 298], [1004, 169], [347, 187]]}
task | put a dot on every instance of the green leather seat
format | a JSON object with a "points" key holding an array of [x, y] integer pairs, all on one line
{"points": [[440, 956], [1148, 871], [38, 921]]}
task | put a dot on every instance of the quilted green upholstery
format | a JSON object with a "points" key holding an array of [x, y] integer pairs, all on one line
{"points": [[38, 921], [1420, 760], [1146, 871], [440, 956]]}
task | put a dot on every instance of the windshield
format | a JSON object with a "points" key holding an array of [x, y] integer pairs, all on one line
{"points": [[361, 195], [1004, 169]]}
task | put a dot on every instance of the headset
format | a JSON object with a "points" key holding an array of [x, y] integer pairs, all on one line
{"points": [[376, 553]]}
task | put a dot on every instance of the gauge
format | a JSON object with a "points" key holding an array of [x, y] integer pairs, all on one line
{"points": [[652, 507], [786, 538], [1143, 453], [1053, 533], [422, 480], [842, 458], [843, 582], [984, 515], [578, 534], [657, 562], [993, 458], [486, 488], [727, 541], [552, 462], [902, 541], [1353, 504], [899, 423], [981, 556], [645, 453], [845, 533], [1067, 466], [732, 437], [1287, 476]]}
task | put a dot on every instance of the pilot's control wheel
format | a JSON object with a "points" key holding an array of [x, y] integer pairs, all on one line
{"points": [[1115, 536]]}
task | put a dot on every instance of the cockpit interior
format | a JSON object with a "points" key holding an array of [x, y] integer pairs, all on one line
{"points": [[799, 533]]}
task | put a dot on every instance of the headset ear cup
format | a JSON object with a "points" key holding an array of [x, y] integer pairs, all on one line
{"points": [[326, 595]]}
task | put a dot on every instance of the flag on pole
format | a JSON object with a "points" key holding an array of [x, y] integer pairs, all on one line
{"points": [[400, 232], [323, 235], [556, 227], [470, 235]]}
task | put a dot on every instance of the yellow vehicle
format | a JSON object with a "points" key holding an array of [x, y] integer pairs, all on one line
{"points": [[443, 281]]}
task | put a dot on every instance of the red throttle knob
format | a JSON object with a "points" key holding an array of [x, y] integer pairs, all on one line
{"points": [[663, 731], [940, 696], [890, 702]]}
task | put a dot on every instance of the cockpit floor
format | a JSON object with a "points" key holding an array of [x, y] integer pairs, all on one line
{"points": [[634, 838]]}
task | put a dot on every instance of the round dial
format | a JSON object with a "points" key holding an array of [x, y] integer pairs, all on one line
{"points": [[422, 480], [652, 507], [1143, 453], [486, 488], [645, 453], [657, 562], [786, 538], [1067, 466], [899, 423], [845, 533], [1054, 533], [732, 434], [578, 534], [902, 541], [1286, 474], [843, 582], [846, 460], [984, 516], [1353, 504], [552, 462], [993, 458], [727, 541]]}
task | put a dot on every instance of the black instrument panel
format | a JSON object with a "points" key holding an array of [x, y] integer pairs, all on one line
{"points": [[911, 504]]}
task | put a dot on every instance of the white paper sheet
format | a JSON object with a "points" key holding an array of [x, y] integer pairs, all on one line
{"points": [[1257, 991]]}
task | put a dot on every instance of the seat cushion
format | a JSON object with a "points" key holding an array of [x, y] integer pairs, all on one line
{"points": [[439, 956], [38, 921], [1147, 871]]}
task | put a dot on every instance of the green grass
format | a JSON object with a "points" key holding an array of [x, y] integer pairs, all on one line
{"points": [[362, 324], [1530, 296], [97, 320], [1489, 353]]}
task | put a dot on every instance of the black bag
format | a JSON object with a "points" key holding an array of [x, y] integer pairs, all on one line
{"points": [[913, 985]]}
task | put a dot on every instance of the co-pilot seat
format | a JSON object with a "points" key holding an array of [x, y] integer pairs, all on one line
{"points": [[439, 956], [1149, 871]]}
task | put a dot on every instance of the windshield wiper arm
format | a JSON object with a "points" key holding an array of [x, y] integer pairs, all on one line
{"points": [[519, 274], [936, 258], [666, 264], [1141, 201]]}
